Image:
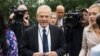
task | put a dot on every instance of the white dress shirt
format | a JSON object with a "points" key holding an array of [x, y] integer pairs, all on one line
{"points": [[40, 37], [60, 22]]}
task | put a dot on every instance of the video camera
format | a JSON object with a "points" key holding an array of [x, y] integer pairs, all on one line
{"points": [[19, 15], [72, 19], [19, 12]]}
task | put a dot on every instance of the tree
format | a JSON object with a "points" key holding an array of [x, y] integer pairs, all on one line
{"points": [[53, 3], [32, 5], [76, 4], [5, 4]]}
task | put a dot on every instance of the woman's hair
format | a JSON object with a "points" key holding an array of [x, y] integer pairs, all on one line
{"points": [[53, 13], [95, 5], [3, 43], [98, 19]]}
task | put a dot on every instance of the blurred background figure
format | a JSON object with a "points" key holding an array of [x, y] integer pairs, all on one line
{"points": [[74, 32], [60, 10], [91, 33], [53, 20], [84, 18], [8, 41], [18, 21]]}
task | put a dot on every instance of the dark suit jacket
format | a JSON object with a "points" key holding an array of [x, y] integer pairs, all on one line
{"points": [[30, 41], [74, 40]]}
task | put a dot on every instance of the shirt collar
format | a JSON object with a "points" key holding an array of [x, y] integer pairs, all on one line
{"points": [[89, 28], [41, 28]]}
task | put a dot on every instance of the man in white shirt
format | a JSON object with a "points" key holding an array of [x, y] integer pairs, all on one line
{"points": [[43, 39]]}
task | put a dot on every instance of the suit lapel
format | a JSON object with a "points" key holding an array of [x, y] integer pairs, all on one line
{"points": [[52, 37], [36, 38]]}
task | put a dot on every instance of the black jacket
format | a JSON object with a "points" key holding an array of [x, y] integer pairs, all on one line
{"points": [[30, 41]]}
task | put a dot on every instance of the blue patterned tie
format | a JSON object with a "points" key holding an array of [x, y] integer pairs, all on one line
{"points": [[45, 41]]}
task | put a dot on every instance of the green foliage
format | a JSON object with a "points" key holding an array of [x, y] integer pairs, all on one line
{"points": [[4, 6], [32, 13], [32, 5], [53, 4], [76, 4]]}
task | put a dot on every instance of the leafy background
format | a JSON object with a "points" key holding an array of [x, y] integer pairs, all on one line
{"points": [[32, 5]]}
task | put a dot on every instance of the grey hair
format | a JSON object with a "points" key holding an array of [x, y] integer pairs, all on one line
{"points": [[43, 7]]}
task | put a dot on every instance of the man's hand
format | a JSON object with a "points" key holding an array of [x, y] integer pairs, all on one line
{"points": [[26, 20], [11, 16], [37, 54], [53, 53]]}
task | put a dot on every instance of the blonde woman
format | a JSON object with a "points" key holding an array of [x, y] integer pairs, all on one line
{"points": [[53, 20], [91, 34]]}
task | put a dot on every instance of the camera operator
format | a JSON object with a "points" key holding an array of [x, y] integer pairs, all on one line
{"points": [[74, 31], [19, 21], [84, 20]]}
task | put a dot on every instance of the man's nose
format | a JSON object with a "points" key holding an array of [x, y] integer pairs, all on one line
{"points": [[44, 18], [91, 16]]}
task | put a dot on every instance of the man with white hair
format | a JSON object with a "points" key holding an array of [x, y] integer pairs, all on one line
{"points": [[43, 39]]}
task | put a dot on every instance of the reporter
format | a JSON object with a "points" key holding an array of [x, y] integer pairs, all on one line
{"points": [[91, 34]]}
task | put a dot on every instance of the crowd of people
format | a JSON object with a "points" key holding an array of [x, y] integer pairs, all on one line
{"points": [[53, 34]]}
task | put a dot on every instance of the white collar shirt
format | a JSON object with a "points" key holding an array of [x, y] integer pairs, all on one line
{"points": [[40, 37]]}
